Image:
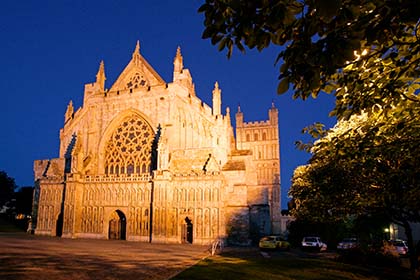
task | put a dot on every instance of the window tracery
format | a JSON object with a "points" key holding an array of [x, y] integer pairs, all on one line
{"points": [[137, 80], [128, 151]]}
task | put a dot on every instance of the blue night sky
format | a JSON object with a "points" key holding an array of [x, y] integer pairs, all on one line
{"points": [[50, 49]]}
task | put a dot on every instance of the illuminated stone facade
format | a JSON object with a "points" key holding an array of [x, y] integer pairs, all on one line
{"points": [[147, 160]]}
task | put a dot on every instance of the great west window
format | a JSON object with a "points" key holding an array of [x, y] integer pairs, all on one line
{"points": [[129, 148]]}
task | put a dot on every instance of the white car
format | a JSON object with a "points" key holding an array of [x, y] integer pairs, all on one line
{"points": [[313, 243], [400, 246]]}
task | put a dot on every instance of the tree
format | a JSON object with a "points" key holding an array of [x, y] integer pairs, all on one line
{"points": [[7, 188], [24, 199], [365, 166], [366, 52]]}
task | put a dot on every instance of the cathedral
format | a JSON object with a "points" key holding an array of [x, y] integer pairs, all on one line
{"points": [[147, 160]]}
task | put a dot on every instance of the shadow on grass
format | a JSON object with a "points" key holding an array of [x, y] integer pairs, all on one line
{"points": [[244, 264]]}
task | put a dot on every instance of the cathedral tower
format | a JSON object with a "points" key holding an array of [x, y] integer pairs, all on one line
{"points": [[262, 138]]}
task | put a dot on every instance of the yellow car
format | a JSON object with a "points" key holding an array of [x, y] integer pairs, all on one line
{"points": [[273, 242]]}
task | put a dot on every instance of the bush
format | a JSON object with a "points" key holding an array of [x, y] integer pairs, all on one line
{"points": [[373, 257]]}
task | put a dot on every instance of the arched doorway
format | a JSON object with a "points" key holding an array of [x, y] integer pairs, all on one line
{"points": [[117, 226], [59, 225], [187, 231]]}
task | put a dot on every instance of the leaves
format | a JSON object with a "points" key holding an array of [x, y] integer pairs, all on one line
{"points": [[371, 48], [327, 9], [283, 86]]}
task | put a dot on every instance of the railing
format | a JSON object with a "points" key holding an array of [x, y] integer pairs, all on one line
{"points": [[217, 244], [196, 173], [120, 178]]}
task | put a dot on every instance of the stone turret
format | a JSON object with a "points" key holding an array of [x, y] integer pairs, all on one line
{"points": [[239, 116], [98, 86], [178, 63], [182, 76], [217, 100], [100, 77], [273, 114], [69, 112]]}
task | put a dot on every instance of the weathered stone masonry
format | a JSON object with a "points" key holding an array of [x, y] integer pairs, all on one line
{"points": [[148, 160]]}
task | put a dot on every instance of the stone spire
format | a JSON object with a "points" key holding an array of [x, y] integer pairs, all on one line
{"points": [[217, 100], [137, 49], [69, 112], [178, 63], [100, 76], [136, 53]]}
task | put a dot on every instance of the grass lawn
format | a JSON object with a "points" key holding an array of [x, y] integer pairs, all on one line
{"points": [[245, 264]]}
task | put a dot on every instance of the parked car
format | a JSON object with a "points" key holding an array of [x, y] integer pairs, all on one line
{"points": [[313, 243], [348, 244], [274, 242], [400, 246]]}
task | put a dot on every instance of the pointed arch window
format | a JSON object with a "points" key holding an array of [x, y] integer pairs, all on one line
{"points": [[129, 149]]}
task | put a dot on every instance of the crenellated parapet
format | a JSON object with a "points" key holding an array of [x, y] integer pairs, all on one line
{"points": [[256, 124]]}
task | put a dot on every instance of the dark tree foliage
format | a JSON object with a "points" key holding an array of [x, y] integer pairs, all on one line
{"points": [[366, 166], [24, 200], [366, 52], [7, 188]]}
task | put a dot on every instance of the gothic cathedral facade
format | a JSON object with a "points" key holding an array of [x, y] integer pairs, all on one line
{"points": [[147, 160]]}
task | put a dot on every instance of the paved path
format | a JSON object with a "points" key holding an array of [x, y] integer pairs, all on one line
{"points": [[30, 257]]}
